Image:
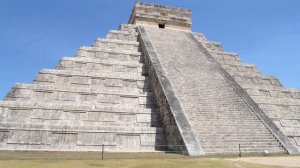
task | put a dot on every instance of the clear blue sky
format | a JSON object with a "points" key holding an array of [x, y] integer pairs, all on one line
{"points": [[35, 34]]}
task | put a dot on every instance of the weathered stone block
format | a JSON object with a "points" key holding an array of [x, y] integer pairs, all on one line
{"points": [[105, 98], [81, 80], [4, 136], [286, 94], [65, 96], [143, 118], [143, 100], [95, 139], [88, 97], [63, 140], [296, 95], [126, 118], [102, 116], [41, 77], [290, 123], [45, 114], [80, 65], [29, 137], [148, 139], [97, 81], [130, 84], [67, 64], [18, 115], [264, 93], [275, 93], [295, 109], [129, 141], [20, 92], [103, 55], [64, 79], [43, 95], [119, 68], [113, 82]]}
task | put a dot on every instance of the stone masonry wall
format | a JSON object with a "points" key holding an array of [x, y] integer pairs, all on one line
{"points": [[100, 97]]}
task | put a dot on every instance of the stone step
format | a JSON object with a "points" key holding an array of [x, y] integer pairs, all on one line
{"points": [[274, 93], [128, 27], [295, 93], [111, 54], [70, 107], [245, 150], [223, 130], [26, 90], [243, 140], [114, 79], [228, 137], [122, 35], [115, 43], [256, 80], [227, 123], [52, 117], [241, 70], [104, 84], [92, 119], [236, 116], [226, 120], [229, 114], [243, 146], [231, 124], [78, 128], [90, 66], [242, 65], [118, 41], [72, 61], [56, 117], [212, 45], [236, 137], [276, 100], [216, 114], [239, 128], [231, 134], [97, 100], [250, 118], [225, 56], [100, 99]]}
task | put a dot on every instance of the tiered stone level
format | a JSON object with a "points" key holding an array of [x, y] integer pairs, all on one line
{"points": [[100, 97]]}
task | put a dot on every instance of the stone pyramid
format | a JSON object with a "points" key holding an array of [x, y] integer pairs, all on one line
{"points": [[152, 85]]}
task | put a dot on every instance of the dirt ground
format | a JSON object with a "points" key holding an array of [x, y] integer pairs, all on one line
{"points": [[288, 161], [40, 159]]}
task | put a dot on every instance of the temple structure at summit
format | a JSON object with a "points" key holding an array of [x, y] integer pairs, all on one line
{"points": [[152, 85]]}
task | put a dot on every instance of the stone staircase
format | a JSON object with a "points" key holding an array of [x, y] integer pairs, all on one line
{"points": [[100, 97], [281, 104], [218, 116]]}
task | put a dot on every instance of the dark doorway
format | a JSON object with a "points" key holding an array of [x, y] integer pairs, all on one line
{"points": [[161, 25]]}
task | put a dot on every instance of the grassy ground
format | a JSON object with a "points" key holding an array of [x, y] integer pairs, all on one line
{"points": [[115, 160]]}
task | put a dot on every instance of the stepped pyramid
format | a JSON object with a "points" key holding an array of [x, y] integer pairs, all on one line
{"points": [[152, 85]]}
